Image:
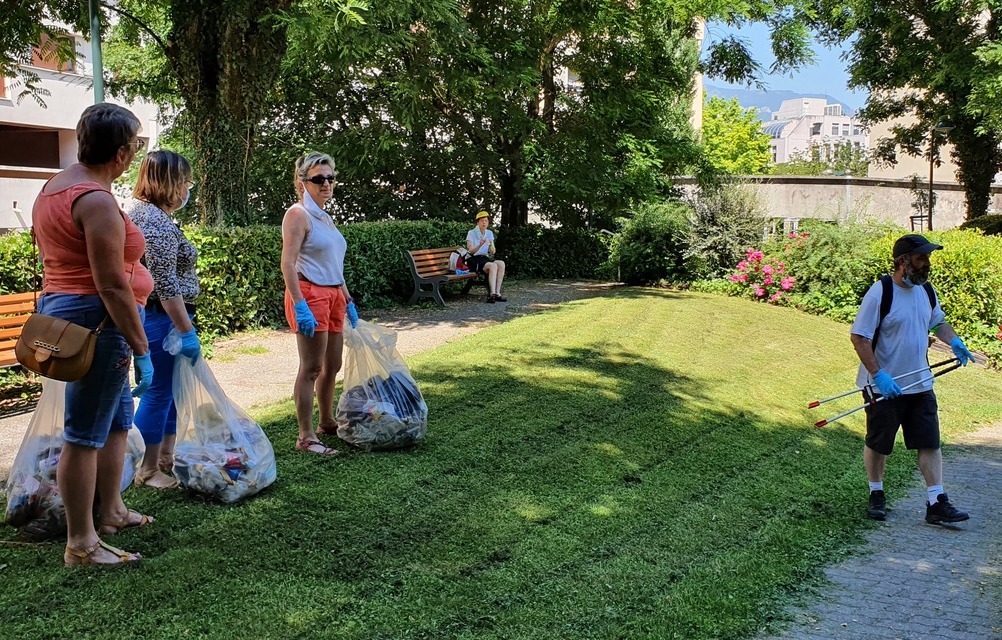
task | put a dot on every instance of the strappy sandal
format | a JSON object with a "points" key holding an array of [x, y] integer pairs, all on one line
{"points": [[81, 557], [142, 480], [313, 445], [111, 528]]}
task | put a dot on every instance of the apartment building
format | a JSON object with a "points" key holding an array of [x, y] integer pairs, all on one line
{"points": [[38, 136], [805, 123]]}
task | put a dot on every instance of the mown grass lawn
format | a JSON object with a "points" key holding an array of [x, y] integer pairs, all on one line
{"points": [[641, 465]]}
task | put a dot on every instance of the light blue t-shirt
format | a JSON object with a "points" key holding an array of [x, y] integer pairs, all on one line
{"points": [[903, 344], [473, 239]]}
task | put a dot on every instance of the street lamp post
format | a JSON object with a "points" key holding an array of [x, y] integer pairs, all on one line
{"points": [[940, 127], [95, 48]]}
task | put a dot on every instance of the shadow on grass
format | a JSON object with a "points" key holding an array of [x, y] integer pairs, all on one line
{"points": [[560, 493]]}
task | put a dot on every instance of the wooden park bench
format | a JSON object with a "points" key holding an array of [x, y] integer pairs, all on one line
{"points": [[14, 311], [430, 268]]}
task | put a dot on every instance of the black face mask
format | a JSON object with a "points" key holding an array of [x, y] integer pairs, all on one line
{"points": [[915, 277]]}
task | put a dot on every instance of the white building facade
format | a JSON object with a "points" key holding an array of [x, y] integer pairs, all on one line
{"points": [[805, 124], [37, 140]]}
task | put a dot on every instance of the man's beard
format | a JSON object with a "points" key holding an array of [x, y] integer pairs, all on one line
{"points": [[916, 277]]}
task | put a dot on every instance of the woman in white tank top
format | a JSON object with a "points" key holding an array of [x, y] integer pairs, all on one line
{"points": [[316, 297]]}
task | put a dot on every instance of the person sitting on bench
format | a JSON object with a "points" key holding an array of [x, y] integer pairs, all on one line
{"points": [[480, 242]]}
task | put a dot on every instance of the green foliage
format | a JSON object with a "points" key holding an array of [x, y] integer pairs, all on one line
{"points": [[728, 219], [920, 63], [838, 158], [834, 266], [651, 246], [16, 272], [990, 225], [535, 251], [734, 140]]}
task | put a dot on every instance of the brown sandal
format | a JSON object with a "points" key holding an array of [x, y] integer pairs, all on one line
{"points": [[142, 480], [111, 528], [313, 445], [80, 557]]}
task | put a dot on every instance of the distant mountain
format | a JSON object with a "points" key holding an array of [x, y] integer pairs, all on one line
{"points": [[767, 101]]}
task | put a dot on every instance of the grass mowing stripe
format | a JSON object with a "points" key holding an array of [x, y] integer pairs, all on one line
{"points": [[626, 467]]}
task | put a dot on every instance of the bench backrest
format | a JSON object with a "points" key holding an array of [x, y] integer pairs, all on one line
{"points": [[14, 311], [428, 263]]}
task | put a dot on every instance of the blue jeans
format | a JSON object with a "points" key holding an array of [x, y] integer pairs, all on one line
{"points": [[101, 401], [157, 415]]}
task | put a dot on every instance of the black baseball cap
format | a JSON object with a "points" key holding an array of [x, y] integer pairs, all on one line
{"points": [[913, 243]]}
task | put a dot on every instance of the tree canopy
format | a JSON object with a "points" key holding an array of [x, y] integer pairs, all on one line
{"points": [[930, 61], [734, 140], [574, 110]]}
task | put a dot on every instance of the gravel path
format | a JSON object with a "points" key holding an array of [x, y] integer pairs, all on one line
{"points": [[258, 368]]}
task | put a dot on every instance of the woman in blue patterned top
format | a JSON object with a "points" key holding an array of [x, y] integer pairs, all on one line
{"points": [[164, 186]]}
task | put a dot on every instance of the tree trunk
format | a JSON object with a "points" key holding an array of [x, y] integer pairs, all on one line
{"points": [[514, 208], [227, 58], [978, 159]]}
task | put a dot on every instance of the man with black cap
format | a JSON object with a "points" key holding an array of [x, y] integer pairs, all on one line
{"points": [[902, 348]]}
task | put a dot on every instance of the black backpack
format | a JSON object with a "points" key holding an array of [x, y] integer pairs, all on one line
{"points": [[887, 296]]}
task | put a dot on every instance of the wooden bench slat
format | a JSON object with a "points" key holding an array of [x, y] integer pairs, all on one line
{"points": [[14, 321], [15, 309], [430, 267]]}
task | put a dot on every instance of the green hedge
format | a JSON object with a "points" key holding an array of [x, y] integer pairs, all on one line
{"points": [[239, 267], [834, 265], [990, 225]]}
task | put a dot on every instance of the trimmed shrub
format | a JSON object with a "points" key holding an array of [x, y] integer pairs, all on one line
{"points": [[15, 263], [989, 225], [726, 221], [651, 246], [239, 268]]}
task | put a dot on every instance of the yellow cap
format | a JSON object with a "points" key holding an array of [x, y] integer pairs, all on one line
{"points": [[483, 214]]}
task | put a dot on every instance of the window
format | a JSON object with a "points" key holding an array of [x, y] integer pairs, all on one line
{"points": [[845, 130], [29, 147], [835, 129], [816, 129], [857, 130], [45, 56]]}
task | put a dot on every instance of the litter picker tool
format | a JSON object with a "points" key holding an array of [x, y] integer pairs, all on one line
{"points": [[858, 389], [822, 423]]}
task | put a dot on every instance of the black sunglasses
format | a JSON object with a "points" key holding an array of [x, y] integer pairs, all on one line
{"points": [[319, 180]]}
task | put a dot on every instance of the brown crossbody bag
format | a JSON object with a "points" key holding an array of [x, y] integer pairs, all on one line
{"points": [[53, 347]]}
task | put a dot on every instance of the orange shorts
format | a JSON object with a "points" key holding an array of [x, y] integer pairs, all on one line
{"points": [[328, 305]]}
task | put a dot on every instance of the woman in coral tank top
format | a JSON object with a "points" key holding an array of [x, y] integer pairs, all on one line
{"points": [[90, 252]]}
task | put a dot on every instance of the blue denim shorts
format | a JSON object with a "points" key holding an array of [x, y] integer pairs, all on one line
{"points": [[101, 401]]}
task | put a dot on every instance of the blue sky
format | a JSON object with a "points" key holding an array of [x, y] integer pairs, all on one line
{"points": [[828, 75]]}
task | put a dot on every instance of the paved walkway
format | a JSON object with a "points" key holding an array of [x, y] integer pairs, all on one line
{"points": [[916, 581]]}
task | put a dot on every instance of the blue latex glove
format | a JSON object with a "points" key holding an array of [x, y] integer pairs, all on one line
{"points": [[888, 387], [305, 322], [190, 346], [144, 374], [352, 314], [960, 350]]}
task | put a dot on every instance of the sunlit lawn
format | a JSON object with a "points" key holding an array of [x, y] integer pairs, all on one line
{"points": [[639, 465]]}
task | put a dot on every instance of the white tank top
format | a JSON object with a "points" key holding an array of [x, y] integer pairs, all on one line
{"points": [[321, 257]]}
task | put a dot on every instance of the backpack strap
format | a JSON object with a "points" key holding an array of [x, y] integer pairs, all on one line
{"points": [[887, 297]]}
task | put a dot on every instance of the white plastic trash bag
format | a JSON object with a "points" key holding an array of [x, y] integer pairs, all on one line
{"points": [[33, 501], [381, 406], [220, 451]]}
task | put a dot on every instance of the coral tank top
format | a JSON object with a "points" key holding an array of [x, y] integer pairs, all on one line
{"points": [[66, 268]]}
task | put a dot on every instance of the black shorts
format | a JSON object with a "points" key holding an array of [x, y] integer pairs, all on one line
{"points": [[916, 413], [476, 263]]}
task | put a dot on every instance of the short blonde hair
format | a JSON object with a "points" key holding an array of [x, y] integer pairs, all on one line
{"points": [[307, 162], [161, 176]]}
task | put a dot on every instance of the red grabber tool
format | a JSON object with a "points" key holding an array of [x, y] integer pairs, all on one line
{"points": [[822, 423]]}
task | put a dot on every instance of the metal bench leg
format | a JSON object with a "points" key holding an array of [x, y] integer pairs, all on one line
{"points": [[437, 294]]}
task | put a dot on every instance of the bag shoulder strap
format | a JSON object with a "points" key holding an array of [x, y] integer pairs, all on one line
{"points": [[886, 298]]}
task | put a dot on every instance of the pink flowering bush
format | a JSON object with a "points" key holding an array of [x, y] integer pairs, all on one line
{"points": [[762, 277]]}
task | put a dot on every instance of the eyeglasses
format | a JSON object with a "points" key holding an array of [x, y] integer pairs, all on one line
{"points": [[140, 144], [191, 185], [320, 180]]}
